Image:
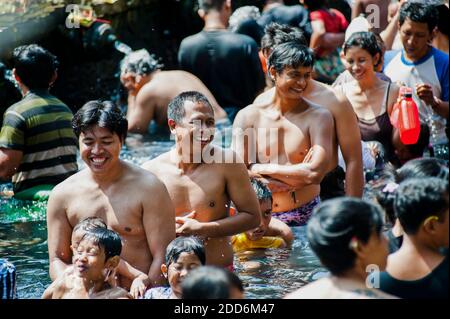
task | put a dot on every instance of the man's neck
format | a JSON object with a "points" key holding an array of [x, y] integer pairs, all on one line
{"points": [[215, 20], [107, 179], [413, 246], [285, 105], [184, 162], [272, 4], [414, 60]]}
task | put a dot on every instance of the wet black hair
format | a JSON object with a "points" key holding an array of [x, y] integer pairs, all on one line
{"points": [[418, 199], [262, 191], [444, 15], [334, 223], [105, 238], [276, 34], [420, 13], [90, 223], [383, 190], [314, 5], [208, 5], [364, 40], [176, 110], [105, 114], [290, 54], [34, 65], [185, 245], [423, 167], [206, 282]]}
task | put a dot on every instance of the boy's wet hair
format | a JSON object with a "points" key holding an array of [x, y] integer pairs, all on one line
{"points": [[90, 223], [185, 245], [335, 223], [290, 54], [140, 62], [34, 65], [105, 238], [104, 114], [262, 191], [423, 167], [420, 13], [276, 34], [418, 199], [208, 5], [176, 110], [364, 40], [206, 282]]}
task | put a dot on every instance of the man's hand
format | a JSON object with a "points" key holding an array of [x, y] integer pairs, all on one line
{"points": [[425, 93], [187, 225], [138, 287], [277, 186]]}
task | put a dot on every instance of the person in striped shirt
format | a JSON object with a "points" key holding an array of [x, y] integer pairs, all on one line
{"points": [[37, 144]]}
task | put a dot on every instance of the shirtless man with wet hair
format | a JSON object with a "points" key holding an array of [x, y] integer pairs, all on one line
{"points": [[288, 141], [150, 90], [346, 134], [131, 201], [203, 178]]}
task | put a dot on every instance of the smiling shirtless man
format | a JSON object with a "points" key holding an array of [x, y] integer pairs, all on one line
{"points": [[292, 137], [200, 184], [131, 201]]}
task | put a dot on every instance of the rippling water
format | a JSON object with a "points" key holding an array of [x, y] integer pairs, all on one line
{"points": [[268, 273]]}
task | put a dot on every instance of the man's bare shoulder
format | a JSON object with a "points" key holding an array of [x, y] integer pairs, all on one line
{"points": [[154, 164], [112, 293], [141, 177], [265, 97], [71, 184], [314, 290]]}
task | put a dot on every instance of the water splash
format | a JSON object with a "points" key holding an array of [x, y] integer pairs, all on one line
{"points": [[122, 47]]}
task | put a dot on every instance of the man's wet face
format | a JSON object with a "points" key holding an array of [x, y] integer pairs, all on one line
{"points": [[99, 148], [292, 82], [197, 126], [415, 38]]}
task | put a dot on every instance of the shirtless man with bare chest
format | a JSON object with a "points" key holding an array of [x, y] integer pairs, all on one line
{"points": [[346, 134], [200, 184], [130, 200], [150, 90], [288, 141]]}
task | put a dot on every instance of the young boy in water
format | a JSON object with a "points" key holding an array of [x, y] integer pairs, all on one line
{"points": [[95, 258], [271, 233], [140, 281], [182, 255]]}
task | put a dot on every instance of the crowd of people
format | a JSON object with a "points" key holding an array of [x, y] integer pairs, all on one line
{"points": [[310, 99]]}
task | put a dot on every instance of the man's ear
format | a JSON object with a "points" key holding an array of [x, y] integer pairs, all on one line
{"points": [[164, 270], [272, 73], [172, 124], [53, 78], [227, 4], [201, 13], [16, 77]]}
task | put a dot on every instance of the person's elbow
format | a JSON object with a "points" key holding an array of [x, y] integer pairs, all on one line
{"points": [[136, 127]]}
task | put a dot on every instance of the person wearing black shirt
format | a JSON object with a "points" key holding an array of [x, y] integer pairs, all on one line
{"points": [[226, 62]]}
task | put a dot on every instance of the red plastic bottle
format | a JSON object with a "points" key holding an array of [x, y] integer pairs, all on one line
{"points": [[408, 120]]}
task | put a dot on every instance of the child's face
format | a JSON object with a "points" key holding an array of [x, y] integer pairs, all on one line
{"points": [[266, 216], [89, 260], [77, 235], [178, 270]]}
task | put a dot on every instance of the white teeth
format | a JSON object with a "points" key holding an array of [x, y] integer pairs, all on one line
{"points": [[98, 160]]}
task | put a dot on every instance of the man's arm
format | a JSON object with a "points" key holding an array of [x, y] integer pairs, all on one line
{"points": [[9, 162], [142, 112], [59, 233], [357, 9], [349, 140], [313, 170], [243, 137], [159, 224]]}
